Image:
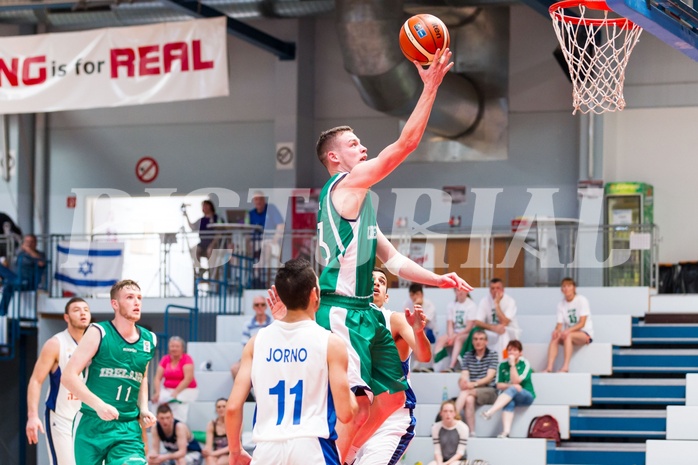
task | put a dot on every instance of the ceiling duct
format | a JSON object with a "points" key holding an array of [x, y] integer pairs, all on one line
{"points": [[390, 83]]}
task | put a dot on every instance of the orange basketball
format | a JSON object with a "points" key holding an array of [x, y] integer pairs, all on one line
{"points": [[421, 35]]}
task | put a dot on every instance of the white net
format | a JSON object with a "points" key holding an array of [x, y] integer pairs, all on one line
{"points": [[596, 45]]}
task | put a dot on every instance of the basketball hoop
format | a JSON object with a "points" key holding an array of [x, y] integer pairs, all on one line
{"points": [[597, 48]]}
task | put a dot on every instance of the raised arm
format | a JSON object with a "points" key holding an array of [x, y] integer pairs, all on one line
{"points": [[410, 327], [366, 174], [48, 359], [402, 266]]}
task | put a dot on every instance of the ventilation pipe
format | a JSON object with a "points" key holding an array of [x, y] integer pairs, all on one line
{"points": [[368, 35]]}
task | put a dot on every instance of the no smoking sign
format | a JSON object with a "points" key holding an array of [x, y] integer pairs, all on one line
{"points": [[147, 169], [285, 157]]}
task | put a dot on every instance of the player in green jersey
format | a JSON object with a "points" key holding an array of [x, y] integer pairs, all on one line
{"points": [[114, 395], [348, 242]]}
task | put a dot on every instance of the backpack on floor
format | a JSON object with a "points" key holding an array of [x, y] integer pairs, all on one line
{"points": [[545, 426]]}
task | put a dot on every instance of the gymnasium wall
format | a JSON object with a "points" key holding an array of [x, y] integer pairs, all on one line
{"points": [[229, 142], [653, 141]]}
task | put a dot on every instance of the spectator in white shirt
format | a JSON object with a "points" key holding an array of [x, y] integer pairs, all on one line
{"points": [[461, 315], [497, 316], [573, 326]]}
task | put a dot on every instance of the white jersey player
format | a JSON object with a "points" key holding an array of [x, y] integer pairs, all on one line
{"points": [[299, 372], [387, 445], [61, 405]]}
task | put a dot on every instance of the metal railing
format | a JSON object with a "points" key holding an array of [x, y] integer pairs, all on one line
{"points": [[165, 265]]}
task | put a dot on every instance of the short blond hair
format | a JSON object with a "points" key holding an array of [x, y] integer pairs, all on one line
{"points": [[326, 140], [120, 285]]}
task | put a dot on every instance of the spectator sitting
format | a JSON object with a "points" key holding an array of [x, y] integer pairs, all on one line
{"points": [[268, 217], [180, 446], [416, 293], [216, 450], [261, 319], [450, 436], [30, 266], [573, 327], [477, 380], [497, 316], [461, 316], [514, 382], [174, 381]]}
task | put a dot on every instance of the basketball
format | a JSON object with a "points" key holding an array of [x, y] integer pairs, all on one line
{"points": [[421, 35]]}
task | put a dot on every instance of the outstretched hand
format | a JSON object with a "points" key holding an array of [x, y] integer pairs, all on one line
{"points": [[278, 309], [417, 319], [452, 280], [438, 68]]}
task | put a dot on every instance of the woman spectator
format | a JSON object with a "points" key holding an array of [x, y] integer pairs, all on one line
{"points": [[216, 449], [573, 325], [460, 321], [207, 241], [514, 382], [174, 381], [450, 436]]}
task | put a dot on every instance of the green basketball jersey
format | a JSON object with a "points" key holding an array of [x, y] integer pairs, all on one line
{"points": [[117, 369], [347, 247]]}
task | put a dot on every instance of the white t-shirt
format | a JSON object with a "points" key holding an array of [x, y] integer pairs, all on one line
{"points": [[569, 313], [487, 313], [460, 313]]}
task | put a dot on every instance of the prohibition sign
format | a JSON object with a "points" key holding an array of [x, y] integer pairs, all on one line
{"points": [[147, 169]]}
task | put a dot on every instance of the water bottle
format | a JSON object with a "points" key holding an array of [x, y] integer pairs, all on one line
{"points": [[444, 396]]}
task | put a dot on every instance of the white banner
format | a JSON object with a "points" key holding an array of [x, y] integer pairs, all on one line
{"points": [[114, 67], [87, 268]]}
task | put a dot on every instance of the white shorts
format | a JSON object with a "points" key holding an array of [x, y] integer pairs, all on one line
{"points": [[389, 442], [180, 410], [59, 438], [299, 451]]}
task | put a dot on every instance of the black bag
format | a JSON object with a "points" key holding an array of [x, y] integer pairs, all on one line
{"points": [[545, 426]]}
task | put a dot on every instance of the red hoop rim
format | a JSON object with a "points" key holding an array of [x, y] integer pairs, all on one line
{"points": [[599, 5]]}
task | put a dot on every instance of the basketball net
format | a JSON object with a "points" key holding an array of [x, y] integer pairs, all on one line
{"points": [[596, 47]]}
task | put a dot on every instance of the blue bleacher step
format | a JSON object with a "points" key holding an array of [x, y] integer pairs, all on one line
{"points": [[655, 360], [664, 333], [610, 423], [670, 391], [602, 453]]}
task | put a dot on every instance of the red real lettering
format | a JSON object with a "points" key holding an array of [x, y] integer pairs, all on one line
{"points": [[150, 60], [32, 71]]}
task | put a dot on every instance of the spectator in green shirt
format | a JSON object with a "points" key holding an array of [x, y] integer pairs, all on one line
{"points": [[514, 383]]}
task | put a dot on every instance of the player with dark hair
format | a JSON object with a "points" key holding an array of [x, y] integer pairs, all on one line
{"points": [[299, 372], [61, 404]]}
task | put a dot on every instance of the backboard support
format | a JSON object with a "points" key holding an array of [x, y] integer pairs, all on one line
{"points": [[672, 21]]}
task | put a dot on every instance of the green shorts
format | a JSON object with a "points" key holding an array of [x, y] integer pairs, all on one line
{"points": [[374, 362], [114, 442]]}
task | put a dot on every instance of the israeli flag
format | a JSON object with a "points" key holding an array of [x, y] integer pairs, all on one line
{"points": [[88, 268]]}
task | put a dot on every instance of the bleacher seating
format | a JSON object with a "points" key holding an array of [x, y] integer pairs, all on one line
{"points": [[663, 452], [557, 393], [682, 422], [612, 329], [692, 389], [595, 358]]}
